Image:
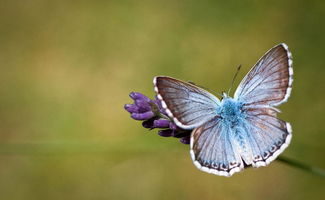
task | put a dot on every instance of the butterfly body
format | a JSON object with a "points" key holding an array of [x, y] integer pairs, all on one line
{"points": [[234, 132], [233, 118], [230, 111]]}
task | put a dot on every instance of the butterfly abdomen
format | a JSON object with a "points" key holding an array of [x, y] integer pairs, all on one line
{"points": [[233, 117]]}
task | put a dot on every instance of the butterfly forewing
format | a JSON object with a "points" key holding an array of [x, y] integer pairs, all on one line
{"points": [[188, 105], [269, 82]]}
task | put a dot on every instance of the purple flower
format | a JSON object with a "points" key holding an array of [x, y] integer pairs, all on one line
{"points": [[165, 133], [185, 140], [142, 116], [154, 116]]}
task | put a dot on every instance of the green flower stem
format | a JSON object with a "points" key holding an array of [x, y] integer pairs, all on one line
{"points": [[302, 166]]}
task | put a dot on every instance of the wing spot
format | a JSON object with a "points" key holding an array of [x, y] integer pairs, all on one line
{"points": [[273, 148], [266, 154], [257, 158]]}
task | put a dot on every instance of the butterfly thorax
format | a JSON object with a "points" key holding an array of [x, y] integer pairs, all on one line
{"points": [[230, 111]]}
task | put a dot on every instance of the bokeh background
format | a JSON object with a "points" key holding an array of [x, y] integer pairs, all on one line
{"points": [[67, 68]]}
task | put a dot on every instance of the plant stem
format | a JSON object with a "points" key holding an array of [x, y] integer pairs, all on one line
{"points": [[302, 166]]}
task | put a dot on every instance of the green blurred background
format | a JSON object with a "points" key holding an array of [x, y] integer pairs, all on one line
{"points": [[67, 68]]}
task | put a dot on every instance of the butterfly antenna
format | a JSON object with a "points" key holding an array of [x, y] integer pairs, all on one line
{"points": [[233, 80]]}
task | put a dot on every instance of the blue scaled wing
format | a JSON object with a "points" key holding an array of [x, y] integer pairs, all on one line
{"points": [[213, 149], [188, 105], [268, 84], [267, 135]]}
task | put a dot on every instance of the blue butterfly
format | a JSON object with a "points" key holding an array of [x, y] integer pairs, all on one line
{"points": [[239, 131]]}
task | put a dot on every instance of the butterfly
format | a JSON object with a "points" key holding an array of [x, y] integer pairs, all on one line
{"points": [[232, 133]]}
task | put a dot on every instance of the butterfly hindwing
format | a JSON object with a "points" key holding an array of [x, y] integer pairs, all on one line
{"points": [[188, 105], [213, 149], [268, 136]]}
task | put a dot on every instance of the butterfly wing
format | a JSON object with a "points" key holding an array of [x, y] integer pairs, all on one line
{"points": [[269, 82], [188, 105], [213, 149], [267, 135]]}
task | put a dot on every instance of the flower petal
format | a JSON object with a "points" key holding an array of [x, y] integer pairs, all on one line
{"points": [[142, 116], [139, 96], [185, 140], [161, 123], [143, 106], [131, 108], [173, 126], [148, 123], [165, 133], [158, 103]]}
